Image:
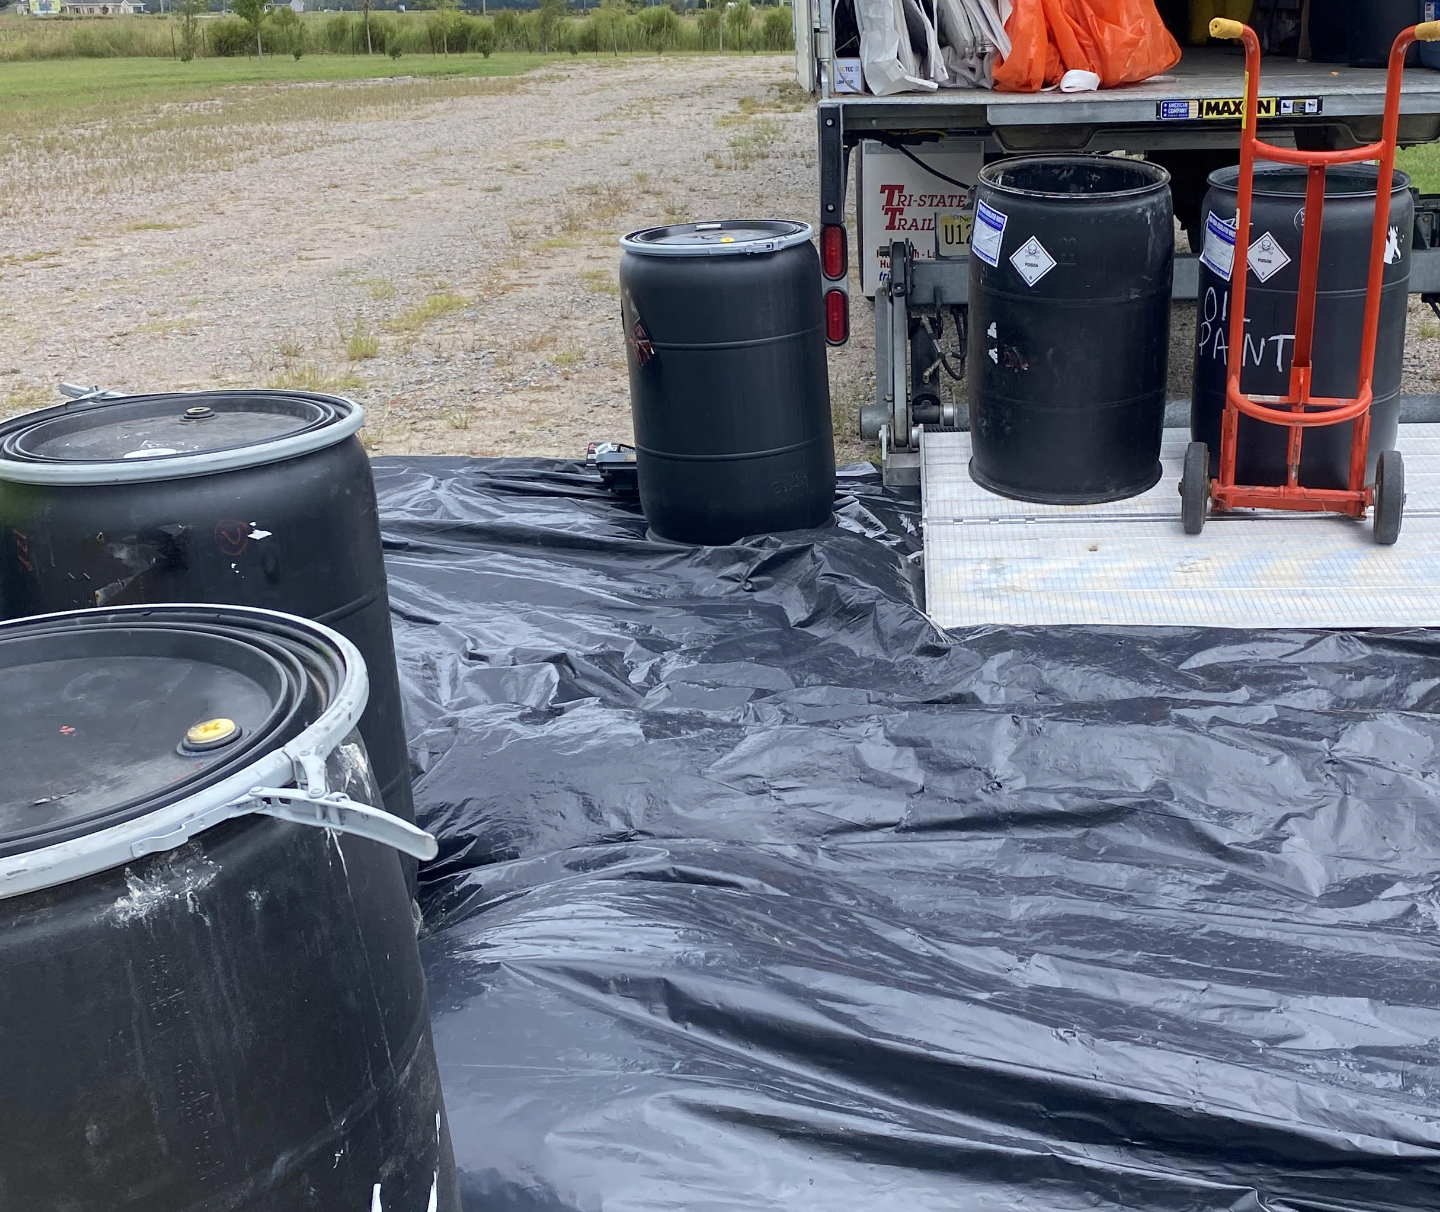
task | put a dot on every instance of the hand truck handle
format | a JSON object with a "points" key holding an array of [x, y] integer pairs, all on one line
{"points": [[1222, 27], [1428, 31]]}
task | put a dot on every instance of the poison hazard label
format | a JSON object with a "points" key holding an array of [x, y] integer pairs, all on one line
{"points": [[1267, 258], [1031, 261]]}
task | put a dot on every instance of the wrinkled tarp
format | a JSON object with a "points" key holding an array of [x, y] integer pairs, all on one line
{"points": [[755, 892]]}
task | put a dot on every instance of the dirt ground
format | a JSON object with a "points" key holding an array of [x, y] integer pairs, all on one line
{"points": [[449, 262]]}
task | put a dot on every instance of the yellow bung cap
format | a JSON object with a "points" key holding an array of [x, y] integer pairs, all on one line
{"points": [[211, 732]]}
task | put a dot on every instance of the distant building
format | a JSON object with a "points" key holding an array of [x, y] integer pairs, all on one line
{"points": [[100, 8], [41, 8]]}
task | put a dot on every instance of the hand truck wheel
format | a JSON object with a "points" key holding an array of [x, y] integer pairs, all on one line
{"points": [[1195, 487], [1389, 496]]}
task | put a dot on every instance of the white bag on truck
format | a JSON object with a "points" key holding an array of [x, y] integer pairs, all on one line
{"points": [[974, 33], [920, 22], [889, 64]]}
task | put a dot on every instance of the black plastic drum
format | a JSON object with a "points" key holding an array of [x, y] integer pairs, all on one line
{"points": [[1327, 30], [258, 498], [1276, 233], [729, 385], [1371, 27], [1070, 266], [210, 989]]}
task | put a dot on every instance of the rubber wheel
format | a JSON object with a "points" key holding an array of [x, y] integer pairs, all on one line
{"points": [[1195, 487], [1389, 497]]}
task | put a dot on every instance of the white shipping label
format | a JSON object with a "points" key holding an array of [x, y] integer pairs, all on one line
{"points": [[1218, 254], [989, 234], [1031, 261], [1267, 258]]}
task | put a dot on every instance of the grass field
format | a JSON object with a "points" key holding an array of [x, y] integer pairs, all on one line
{"points": [[105, 125], [67, 84], [1423, 165]]}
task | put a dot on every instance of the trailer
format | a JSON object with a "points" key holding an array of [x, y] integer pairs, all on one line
{"points": [[1187, 120]]}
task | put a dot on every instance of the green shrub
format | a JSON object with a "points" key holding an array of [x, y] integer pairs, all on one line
{"points": [[777, 31], [508, 30], [738, 17], [411, 34], [447, 30], [336, 34], [482, 37], [283, 33], [382, 33], [230, 37], [660, 28], [708, 26]]}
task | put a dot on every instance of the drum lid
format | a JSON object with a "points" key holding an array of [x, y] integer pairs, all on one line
{"points": [[728, 237], [127, 732], [179, 434], [103, 722]]}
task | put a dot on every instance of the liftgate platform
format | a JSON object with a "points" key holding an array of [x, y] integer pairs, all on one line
{"points": [[993, 560]]}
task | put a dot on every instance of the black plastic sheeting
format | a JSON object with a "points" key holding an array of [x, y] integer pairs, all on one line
{"points": [[756, 892]]}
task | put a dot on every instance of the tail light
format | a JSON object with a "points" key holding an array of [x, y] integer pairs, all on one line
{"points": [[832, 250], [837, 317]]}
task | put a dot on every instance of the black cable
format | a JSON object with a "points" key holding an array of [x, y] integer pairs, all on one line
{"points": [[937, 334], [891, 141]]}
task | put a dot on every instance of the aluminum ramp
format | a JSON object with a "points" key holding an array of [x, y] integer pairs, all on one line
{"points": [[992, 560]]}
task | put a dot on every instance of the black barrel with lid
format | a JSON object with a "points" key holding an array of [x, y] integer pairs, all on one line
{"points": [[258, 498], [729, 387], [1070, 267], [1371, 27], [1327, 27], [1271, 293], [210, 987]]}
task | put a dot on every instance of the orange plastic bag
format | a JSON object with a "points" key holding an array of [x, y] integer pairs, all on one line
{"points": [[1033, 60], [1121, 41]]}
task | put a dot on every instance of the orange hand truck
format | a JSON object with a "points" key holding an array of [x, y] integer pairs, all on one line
{"points": [[1299, 410]]}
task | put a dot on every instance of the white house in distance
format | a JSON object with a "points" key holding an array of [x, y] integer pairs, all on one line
{"points": [[101, 8], [83, 8]]}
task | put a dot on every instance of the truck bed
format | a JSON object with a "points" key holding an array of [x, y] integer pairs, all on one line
{"points": [[1206, 73]]}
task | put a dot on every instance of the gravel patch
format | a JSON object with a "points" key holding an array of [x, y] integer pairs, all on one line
{"points": [[450, 263]]}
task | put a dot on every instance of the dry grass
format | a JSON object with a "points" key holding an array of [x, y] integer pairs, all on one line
{"points": [[789, 98], [378, 288], [434, 306], [154, 225], [131, 145], [751, 144], [310, 377], [26, 399], [360, 343], [538, 342], [599, 281], [28, 258]]}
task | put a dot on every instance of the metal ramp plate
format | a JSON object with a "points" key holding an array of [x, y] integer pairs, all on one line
{"points": [[992, 560]]}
